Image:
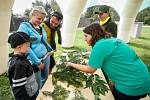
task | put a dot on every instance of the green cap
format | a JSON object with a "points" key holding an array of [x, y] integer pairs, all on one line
{"points": [[102, 9]]}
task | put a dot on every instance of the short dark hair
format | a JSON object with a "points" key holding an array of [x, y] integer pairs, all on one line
{"points": [[97, 32], [58, 15]]}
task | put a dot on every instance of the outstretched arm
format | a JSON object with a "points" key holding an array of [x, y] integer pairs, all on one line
{"points": [[84, 68]]}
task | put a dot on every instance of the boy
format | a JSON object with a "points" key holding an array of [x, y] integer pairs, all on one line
{"points": [[20, 72]]}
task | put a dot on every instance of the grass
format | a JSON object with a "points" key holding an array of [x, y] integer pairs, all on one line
{"points": [[79, 44], [140, 45], [5, 93]]}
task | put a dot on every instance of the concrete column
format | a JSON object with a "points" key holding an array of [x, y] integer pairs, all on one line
{"points": [[5, 15], [127, 18], [71, 11]]}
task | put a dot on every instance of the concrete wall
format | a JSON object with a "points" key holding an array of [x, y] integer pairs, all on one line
{"points": [[5, 14]]}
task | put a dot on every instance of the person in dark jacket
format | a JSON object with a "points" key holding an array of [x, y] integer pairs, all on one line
{"points": [[123, 66], [109, 26], [106, 21], [20, 72], [52, 27]]}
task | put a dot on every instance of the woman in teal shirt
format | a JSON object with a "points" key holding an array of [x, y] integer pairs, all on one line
{"points": [[130, 76]]}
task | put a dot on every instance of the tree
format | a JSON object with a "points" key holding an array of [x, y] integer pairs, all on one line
{"points": [[26, 13], [90, 13], [47, 7], [147, 20], [38, 3], [54, 6], [144, 16]]}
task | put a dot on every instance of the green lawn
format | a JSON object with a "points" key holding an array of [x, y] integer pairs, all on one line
{"points": [[5, 93], [140, 45]]}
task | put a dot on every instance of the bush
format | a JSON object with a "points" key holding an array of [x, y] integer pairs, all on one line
{"points": [[147, 20]]}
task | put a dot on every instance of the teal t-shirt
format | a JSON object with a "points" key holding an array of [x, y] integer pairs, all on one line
{"points": [[129, 74]]}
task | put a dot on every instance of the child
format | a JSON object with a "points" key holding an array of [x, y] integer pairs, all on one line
{"points": [[20, 72]]}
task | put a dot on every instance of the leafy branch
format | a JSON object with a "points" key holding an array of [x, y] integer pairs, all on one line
{"points": [[77, 78], [59, 93]]}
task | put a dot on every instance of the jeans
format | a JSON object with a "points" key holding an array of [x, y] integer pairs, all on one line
{"points": [[45, 71], [120, 96], [42, 75], [52, 62]]}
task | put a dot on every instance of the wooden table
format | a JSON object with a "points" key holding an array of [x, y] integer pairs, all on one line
{"points": [[87, 93]]}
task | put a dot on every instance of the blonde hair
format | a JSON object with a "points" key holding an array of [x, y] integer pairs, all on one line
{"points": [[37, 9]]}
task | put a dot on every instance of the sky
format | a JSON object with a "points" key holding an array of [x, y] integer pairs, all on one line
{"points": [[20, 5]]}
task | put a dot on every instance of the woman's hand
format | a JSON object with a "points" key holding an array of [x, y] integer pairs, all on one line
{"points": [[111, 85], [41, 66], [69, 64], [51, 53], [84, 68], [48, 54]]}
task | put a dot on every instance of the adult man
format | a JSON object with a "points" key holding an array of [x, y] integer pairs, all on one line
{"points": [[109, 26], [52, 27], [106, 21]]}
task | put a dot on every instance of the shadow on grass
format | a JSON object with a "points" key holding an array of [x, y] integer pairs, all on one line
{"points": [[76, 48], [145, 56], [139, 46], [144, 38], [146, 61]]}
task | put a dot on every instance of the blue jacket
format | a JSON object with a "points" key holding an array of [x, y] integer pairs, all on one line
{"points": [[39, 47]]}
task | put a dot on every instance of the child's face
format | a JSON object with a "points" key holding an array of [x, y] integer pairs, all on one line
{"points": [[24, 48]]}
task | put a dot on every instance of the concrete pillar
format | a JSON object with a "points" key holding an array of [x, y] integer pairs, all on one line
{"points": [[5, 15], [127, 18], [71, 11]]}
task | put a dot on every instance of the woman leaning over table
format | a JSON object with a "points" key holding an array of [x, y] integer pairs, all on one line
{"points": [[130, 76]]}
